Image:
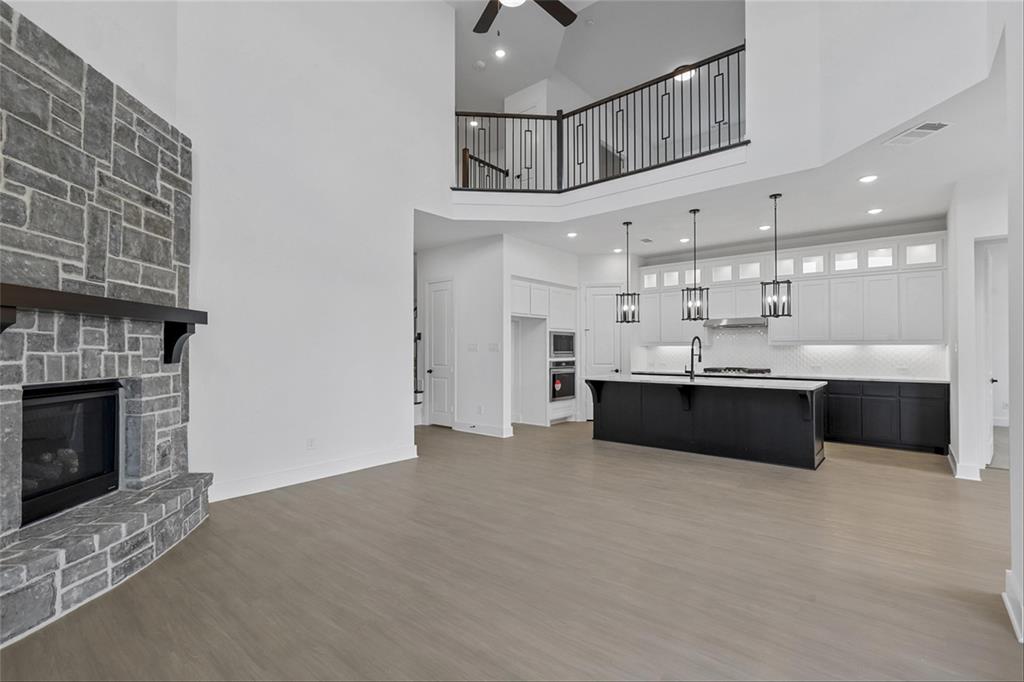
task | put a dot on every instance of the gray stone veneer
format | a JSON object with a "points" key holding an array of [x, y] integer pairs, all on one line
{"points": [[95, 198]]}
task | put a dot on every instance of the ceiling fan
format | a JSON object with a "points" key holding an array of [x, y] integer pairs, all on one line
{"points": [[555, 8]]}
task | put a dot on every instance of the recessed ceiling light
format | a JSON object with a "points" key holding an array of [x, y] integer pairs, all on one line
{"points": [[571, 235], [684, 76], [868, 179], [874, 211], [499, 53], [474, 124], [616, 250], [765, 228], [685, 240], [512, 3]]}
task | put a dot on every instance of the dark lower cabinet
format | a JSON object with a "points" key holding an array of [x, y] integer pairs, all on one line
{"points": [[923, 421], [900, 415], [844, 418], [881, 419]]}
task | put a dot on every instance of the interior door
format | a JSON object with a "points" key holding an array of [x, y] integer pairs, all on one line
{"points": [[602, 340], [440, 353]]}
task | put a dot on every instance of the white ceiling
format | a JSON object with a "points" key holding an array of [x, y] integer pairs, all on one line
{"points": [[915, 182], [613, 45]]}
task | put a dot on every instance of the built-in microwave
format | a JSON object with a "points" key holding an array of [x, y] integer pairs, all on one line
{"points": [[563, 344]]}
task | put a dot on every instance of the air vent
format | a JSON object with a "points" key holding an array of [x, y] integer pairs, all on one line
{"points": [[916, 133]]}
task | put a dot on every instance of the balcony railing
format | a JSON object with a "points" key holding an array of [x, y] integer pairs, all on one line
{"points": [[697, 109]]}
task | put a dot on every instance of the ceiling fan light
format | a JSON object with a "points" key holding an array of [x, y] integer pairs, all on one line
{"points": [[512, 3]]}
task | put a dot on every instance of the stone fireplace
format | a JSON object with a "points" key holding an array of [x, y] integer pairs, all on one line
{"points": [[95, 199]]}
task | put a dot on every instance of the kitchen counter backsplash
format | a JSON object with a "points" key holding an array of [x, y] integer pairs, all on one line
{"points": [[750, 348]]}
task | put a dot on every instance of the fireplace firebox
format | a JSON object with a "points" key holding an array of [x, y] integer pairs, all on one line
{"points": [[70, 445]]}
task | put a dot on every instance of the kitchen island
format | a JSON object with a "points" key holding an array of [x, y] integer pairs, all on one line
{"points": [[776, 421]]}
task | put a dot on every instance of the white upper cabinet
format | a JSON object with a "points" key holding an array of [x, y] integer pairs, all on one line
{"points": [[538, 300], [520, 298], [650, 318], [562, 313], [748, 300], [887, 290], [921, 307], [812, 307], [672, 316], [922, 254], [881, 258], [881, 308], [721, 302], [846, 261], [846, 309]]}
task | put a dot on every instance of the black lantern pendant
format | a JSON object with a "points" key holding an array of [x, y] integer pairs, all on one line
{"points": [[776, 296], [627, 305], [695, 298]]}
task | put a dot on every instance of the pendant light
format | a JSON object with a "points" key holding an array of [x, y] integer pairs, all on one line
{"points": [[695, 298], [776, 296], [627, 304]]}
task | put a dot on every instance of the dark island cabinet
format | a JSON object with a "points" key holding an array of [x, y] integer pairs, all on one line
{"points": [[908, 415]]}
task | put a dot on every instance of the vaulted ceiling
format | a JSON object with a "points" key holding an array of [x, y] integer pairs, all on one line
{"points": [[613, 45]]}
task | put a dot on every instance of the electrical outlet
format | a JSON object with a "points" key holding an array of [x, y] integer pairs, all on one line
{"points": [[311, 444]]}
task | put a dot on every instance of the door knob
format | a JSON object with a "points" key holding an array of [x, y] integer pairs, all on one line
{"points": [[993, 380], [430, 371], [616, 371]]}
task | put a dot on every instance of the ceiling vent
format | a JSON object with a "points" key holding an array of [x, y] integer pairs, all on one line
{"points": [[916, 134]]}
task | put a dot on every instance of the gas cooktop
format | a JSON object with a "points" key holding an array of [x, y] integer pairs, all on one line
{"points": [[736, 370]]}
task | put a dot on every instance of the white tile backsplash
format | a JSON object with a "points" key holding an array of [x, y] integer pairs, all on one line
{"points": [[750, 348]]}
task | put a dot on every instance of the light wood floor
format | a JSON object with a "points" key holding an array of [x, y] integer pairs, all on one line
{"points": [[551, 556]]}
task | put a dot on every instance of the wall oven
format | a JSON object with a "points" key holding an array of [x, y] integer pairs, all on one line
{"points": [[563, 344], [562, 384]]}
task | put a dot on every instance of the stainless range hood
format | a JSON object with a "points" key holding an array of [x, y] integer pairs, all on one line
{"points": [[737, 323]]}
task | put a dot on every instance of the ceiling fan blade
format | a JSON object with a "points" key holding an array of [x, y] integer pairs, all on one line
{"points": [[483, 24], [558, 10]]}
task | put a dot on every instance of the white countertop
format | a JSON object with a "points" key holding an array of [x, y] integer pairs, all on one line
{"points": [[774, 384]]}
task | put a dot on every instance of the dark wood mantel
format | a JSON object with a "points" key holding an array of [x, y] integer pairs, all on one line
{"points": [[179, 323]]}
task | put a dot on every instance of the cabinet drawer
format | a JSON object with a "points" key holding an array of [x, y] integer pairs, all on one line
{"points": [[881, 388], [844, 387], [908, 390]]}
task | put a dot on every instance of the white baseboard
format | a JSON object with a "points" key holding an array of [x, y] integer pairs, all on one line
{"points": [[1014, 602], [483, 429], [964, 472], [225, 490], [1001, 421]]}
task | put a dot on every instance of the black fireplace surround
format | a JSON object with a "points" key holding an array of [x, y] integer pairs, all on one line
{"points": [[70, 445]]}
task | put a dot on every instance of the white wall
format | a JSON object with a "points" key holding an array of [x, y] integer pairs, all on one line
{"points": [[482, 330], [885, 62], [976, 212], [533, 261], [302, 228], [1006, 28], [132, 43]]}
